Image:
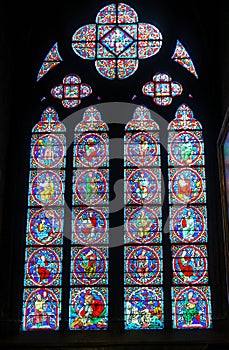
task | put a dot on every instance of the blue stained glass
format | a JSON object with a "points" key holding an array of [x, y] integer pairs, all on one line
{"points": [[182, 57], [46, 188], [188, 224], [90, 187], [186, 148], [187, 185], [190, 264], [41, 309], [90, 225], [119, 43], [44, 226], [44, 229], [143, 224], [88, 309], [141, 149], [47, 151], [143, 308], [142, 186], [52, 59], [191, 306], [43, 266], [88, 304], [143, 264], [89, 265]]}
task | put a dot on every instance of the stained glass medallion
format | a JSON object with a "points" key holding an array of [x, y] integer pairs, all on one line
{"points": [[162, 89], [44, 226], [143, 264], [71, 91], [90, 225], [188, 224], [143, 224], [117, 41]]}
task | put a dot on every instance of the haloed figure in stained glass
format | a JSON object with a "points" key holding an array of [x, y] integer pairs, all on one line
{"points": [[191, 313]]}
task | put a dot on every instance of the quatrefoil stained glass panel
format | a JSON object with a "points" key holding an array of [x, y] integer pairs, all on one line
{"points": [[117, 41]]}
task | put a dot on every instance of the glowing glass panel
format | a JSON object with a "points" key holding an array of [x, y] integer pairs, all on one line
{"points": [[182, 57], [52, 59], [162, 89], [88, 305], [117, 41], [143, 264], [191, 297], [71, 91], [44, 229]]}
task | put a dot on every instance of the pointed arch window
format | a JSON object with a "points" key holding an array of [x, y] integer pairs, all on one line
{"points": [[45, 220], [117, 42], [143, 278], [90, 221], [188, 222]]}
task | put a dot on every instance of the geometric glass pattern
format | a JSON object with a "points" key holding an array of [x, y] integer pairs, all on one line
{"points": [[88, 306], [143, 258], [71, 91], [44, 233], [116, 41], [191, 296], [162, 89], [182, 57], [52, 59]]}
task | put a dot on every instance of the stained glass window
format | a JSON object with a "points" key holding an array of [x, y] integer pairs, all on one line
{"points": [[144, 306], [89, 245], [182, 57], [52, 59], [162, 89], [117, 41], [44, 233], [71, 91], [191, 296]]}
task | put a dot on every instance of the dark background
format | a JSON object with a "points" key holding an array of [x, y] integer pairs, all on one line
{"points": [[28, 31]]}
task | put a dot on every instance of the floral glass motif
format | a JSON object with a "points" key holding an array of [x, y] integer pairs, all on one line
{"points": [[52, 59], [117, 41], [191, 297], [44, 231], [71, 91], [182, 57], [88, 306], [162, 89], [143, 264]]}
